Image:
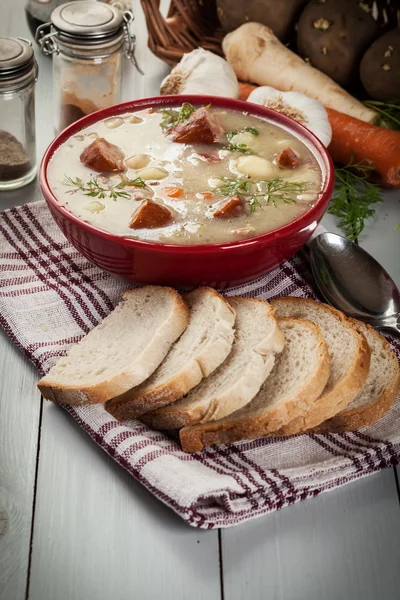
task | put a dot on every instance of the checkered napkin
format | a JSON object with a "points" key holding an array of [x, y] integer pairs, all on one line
{"points": [[50, 296]]}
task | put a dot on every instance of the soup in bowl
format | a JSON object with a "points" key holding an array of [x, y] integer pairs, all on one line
{"points": [[187, 190]]}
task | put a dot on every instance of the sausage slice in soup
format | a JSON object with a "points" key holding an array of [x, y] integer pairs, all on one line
{"points": [[185, 175]]}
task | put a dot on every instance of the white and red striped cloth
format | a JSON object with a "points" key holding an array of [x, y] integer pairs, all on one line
{"points": [[50, 296]]}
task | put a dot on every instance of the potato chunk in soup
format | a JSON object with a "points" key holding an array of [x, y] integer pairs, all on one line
{"points": [[199, 176]]}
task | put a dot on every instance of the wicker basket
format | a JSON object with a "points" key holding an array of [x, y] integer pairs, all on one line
{"points": [[194, 23], [190, 24]]}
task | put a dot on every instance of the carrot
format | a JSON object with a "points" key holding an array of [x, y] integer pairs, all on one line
{"points": [[354, 141], [173, 192], [206, 195], [257, 55], [245, 90]]}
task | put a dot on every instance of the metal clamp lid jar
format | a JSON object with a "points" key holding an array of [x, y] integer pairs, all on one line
{"points": [[87, 41], [18, 74]]}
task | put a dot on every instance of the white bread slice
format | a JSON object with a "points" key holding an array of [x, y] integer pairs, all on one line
{"points": [[297, 379], [258, 337], [120, 352], [350, 359], [380, 389], [204, 345]]}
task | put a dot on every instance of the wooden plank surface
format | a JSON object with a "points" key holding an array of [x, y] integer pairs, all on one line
{"points": [[98, 533], [344, 545], [20, 405], [19, 421], [380, 239]]}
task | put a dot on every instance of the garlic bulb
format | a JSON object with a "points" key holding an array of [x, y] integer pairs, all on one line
{"points": [[121, 5], [301, 108], [202, 72]]}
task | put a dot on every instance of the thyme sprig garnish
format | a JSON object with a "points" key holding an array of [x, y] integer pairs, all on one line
{"points": [[267, 191], [388, 113], [171, 117], [94, 189], [354, 198]]}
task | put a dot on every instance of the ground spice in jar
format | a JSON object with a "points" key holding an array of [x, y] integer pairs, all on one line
{"points": [[14, 162], [74, 108]]}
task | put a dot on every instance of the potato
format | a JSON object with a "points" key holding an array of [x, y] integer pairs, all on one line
{"points": [[95, 206], [114, 122], [138, 161], [152, 173], [255, 166], [133, 119], [279, 16], [333, 36], [244, 137], [305, 198], [380, 67], [215, 182]]}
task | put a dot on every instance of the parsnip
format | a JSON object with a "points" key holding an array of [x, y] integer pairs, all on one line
{"points": [[257, 56]]}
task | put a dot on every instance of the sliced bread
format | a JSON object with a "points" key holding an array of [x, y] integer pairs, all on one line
{"points": [[297, 379], [350, 358], [120, 352], [204, 345], [380, 389], [257, 338]]}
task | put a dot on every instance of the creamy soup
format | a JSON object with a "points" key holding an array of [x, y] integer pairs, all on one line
{"points": [[185, 176]]}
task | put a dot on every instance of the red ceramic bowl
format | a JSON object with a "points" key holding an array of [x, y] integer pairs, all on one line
{"points": [[218, 265]]}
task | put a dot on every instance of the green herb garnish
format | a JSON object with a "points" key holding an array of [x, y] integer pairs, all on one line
{"points": [[94, 189], [251, 130], [172, 117], [354, 198], [269, 191], [388, 113], [239, 148]]}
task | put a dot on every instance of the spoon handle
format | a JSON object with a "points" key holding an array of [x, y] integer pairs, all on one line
{"points": [[391, 323]]}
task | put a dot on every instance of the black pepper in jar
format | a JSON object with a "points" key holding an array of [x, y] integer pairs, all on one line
{"points": [[14, 162], [18, 74]]}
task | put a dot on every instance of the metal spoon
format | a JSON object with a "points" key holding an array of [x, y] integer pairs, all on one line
{"points": [[352, 281]]}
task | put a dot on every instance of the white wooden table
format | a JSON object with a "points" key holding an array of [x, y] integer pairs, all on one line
{"points": [[75, 526]]}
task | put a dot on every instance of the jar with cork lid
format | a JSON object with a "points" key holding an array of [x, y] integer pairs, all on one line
{"points": [[18, 75], [88, 41]]}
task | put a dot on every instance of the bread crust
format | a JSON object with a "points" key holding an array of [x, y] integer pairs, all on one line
{"points": [[330, 403], [121, 382], [136, 403], [175, 417], [352, 419], [194, 439]]}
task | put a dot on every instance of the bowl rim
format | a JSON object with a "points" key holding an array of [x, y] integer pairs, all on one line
{"points": [[295, 128]]}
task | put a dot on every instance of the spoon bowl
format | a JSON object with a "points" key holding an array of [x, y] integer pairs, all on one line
{"points": [[351, 280]]}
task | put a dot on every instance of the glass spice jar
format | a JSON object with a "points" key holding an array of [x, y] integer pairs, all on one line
{"points": [[88, 41], [18, 75], [39, 12]]}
